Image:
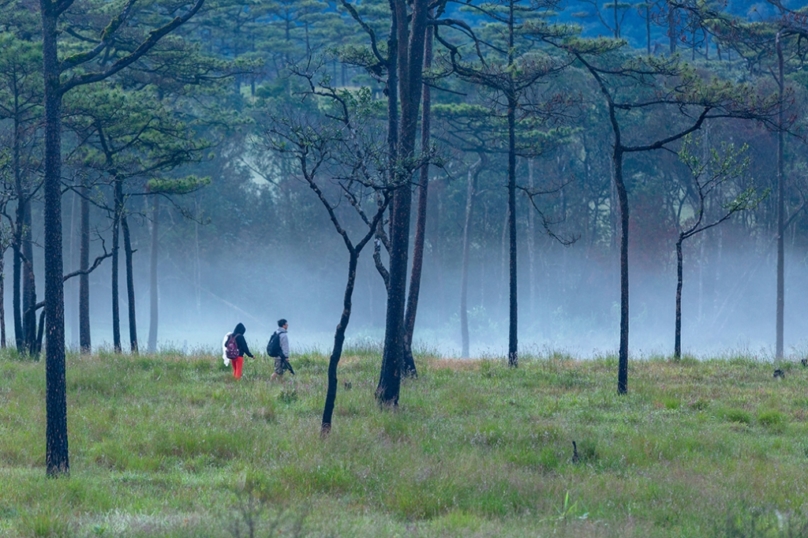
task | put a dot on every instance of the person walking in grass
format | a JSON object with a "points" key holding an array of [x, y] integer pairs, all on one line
{"points": [[278, 349], [234, 347]]}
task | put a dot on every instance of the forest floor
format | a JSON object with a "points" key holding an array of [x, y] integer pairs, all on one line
{"points": [[167, 445]]}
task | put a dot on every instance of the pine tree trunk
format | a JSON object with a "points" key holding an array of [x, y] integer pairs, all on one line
{"points": [[677, 344], [57, 460], [622, 196], [513, 358], [130, 284], [116, 312], [780, 208], [85, 342], [2, 301], [420, 224], [153, 292], [410, 67]]}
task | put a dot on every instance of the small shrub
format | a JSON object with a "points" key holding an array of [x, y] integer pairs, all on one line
{"points": [[771, 418], [737, 415]]}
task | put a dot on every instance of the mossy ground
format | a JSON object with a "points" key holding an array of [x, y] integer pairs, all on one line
{"points": [[169, 445]]}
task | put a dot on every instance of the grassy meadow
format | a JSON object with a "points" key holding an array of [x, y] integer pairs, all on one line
{"points": [[169, 445]]}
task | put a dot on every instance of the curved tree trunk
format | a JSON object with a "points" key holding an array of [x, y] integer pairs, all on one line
{"points": [[339, 339]]}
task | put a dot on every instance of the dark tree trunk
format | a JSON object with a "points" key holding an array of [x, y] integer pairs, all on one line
{"points": [[464, 276], [116, 313], [19, 231], [2, 301], [57, 459], [339, 339], [130, 284], [622, 197], [513, 358], [153, 296], [420, 224], [780, 208], [85, 343], [410, 66], [677, 341], [40, 333]]}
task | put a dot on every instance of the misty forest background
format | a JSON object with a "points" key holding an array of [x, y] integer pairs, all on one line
{"points": [[176, 165]]}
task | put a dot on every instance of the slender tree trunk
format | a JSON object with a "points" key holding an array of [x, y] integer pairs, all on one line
{"points": [[85, 343], [464, 278], [116, 312], [339, 339], [153, 295], [780, 207], [677, 343], [70, 292], [513, 358], [622, 196], [648, 28], [130, 283], [420, 224], [57, 459], [19, 231], [2, 301]]}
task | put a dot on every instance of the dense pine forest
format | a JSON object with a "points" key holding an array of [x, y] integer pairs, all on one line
{"points": [[472, 178]]}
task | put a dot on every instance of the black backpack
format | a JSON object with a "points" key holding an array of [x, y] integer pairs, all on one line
{"points": [[274, 346]]}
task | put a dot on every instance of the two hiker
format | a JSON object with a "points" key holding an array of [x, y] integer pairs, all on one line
{"points": [[234, 347]]}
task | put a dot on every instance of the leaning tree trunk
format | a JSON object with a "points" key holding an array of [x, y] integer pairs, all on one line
{"points": [[130, 284], [85, 343], [420, 225], [339, 340], [153, 297], [116, 313], [57, 459]]}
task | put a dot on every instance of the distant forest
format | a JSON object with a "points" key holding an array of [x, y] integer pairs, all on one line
{"points": [[512, 162]]}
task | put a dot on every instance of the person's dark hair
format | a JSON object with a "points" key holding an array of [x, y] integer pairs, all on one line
{"points": [[239, 329], [281, 322]]}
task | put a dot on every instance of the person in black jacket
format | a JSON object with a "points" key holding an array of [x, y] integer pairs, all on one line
{"points": [[243, 349]]}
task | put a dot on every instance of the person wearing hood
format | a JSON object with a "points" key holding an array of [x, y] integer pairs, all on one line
{"points": [[241, 344]]}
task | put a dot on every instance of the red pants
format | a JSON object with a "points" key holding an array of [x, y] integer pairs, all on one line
{"points": [[237, 363]]}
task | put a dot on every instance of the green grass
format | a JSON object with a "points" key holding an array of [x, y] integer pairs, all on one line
{"points": [[169, 445]]}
